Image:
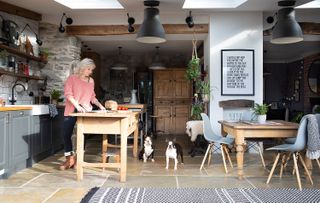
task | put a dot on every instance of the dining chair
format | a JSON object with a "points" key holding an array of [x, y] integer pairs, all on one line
{"points": [[294, 149], [212, 138], [253, 142]]}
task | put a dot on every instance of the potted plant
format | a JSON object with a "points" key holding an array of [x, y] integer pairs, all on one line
{"points": [[261, 112], [193, 71], [55, 96], [44, 54], [205, 91], [3, 57], [196, 110]]}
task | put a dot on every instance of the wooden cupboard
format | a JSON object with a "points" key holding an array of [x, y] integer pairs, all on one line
{"points": [[172, 100]]}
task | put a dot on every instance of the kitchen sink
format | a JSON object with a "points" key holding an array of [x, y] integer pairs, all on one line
{"points": [[37, 109]]}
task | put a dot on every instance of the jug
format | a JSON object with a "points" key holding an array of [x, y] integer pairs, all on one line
{"points": [[133, 97]]}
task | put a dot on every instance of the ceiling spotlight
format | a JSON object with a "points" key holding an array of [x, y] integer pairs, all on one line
{"points": [[270, 19], [151, 30], [189, 20], [69, 21], [131, 21]]}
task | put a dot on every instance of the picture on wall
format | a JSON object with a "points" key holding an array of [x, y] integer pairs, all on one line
{"points": [[237, 72]]}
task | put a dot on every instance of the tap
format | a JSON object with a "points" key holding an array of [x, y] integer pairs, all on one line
{"points": [[12, 101]]}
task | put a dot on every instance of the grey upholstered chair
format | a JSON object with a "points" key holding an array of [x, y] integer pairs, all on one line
{"points": [[212, 138], [294, 149]]}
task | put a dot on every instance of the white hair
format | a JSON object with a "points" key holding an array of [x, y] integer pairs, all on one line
{"points": [[84, 63]]}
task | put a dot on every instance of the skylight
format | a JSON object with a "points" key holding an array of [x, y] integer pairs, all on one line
{"points": [[207, 4], [91, 4], [312, 4]]}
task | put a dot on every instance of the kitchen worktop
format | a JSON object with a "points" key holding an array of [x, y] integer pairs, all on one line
{"points": [[15, 108]]}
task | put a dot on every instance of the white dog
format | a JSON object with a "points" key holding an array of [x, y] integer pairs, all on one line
{"points": [[172, 152]]}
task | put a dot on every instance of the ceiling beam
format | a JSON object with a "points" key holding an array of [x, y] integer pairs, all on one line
{"points": [[15, 10], [102, 30], [306, 27]]}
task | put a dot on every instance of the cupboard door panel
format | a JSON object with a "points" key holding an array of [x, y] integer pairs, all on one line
{"points": [[181, 116], [164, 119], [163, 84]]}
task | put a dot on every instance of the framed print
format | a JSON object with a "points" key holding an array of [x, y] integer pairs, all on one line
{"points": [[237, 72]]}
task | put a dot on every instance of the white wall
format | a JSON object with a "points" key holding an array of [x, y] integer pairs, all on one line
{"points": [[236, 30]]}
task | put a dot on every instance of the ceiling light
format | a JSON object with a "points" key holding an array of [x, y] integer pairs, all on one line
{"points": [[69, 21], [312, 4], [209, 4], [189, 20], [131, 21], [151, 31], [92, 4], [119, 65], [156, 64], [286, 29]]}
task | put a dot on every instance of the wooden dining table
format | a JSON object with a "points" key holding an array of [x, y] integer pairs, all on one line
{"points": [[243, 129], [102, 122]]}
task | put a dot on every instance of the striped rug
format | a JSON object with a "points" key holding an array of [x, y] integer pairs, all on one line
{"points": [[205, 195]]}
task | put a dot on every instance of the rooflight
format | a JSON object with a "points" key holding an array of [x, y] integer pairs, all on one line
{"points": [[312, 4], [207, 4], [92, 4]]}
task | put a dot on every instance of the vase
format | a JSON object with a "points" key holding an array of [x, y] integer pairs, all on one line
{"points": [[133, 97], [262, 118], [205, 97]]}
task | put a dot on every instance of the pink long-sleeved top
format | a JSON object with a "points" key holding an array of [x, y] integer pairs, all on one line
{"points": [[81, 91]]}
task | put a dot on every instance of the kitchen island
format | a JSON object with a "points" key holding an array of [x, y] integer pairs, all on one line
{"points": [[101, 122]]}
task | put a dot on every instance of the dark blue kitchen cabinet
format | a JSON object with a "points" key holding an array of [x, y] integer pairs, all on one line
{"points": [[14, 141], [57, 130]]}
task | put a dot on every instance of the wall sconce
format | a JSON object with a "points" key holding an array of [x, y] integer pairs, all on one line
{"points": [[69, 21], [151, 31], [286, 29], [131, 21], [38, 40], [189, 20]]}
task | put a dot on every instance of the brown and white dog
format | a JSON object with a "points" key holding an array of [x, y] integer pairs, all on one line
{"points": [[172, 152], [147, 151]]}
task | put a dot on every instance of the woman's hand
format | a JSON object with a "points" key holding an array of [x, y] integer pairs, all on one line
{"points": [[102, 107], [80, 109]]}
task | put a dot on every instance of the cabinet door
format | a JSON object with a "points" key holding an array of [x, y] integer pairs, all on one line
{"points": [[181, 86], [57, 130], [45, 133], [164, 121], [35, 138], [20, 138], [4, 140], [162, 87], [180, 117]]}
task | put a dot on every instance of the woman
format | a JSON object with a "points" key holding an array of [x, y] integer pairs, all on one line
{"points": [[79, 94]]}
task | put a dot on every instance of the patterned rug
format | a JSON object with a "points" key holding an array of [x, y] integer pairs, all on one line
{"points": [[205, 195]]}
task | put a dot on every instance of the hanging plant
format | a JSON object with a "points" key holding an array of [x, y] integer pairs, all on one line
{"points": [[193, 71], [196, 110]]}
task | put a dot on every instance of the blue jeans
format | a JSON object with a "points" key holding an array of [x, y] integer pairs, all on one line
{"points": [[68, 126]]}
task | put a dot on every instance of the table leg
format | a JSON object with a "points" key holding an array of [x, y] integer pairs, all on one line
{"points": [[80, 150], [104, 148], [135, 141], [239, 140], [123, 153]]}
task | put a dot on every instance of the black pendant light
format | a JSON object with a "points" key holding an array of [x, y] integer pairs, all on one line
{"points": [[151, 31], [156, 63], [286, 29], [119, 64]]}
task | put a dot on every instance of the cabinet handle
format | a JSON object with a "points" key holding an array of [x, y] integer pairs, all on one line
{"points": [[171, 102]]}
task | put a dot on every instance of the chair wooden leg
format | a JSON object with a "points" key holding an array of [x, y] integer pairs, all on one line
{"points": [[282, 164], [224, 159], [205, 156], [297, 170], [273, 167], [287, 160], [305, 168], [317, 160], [210, 154], [261, 156], [228, 155]]}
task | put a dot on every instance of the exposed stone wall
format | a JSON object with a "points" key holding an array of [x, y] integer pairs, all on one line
{"points": [[64, 54]]}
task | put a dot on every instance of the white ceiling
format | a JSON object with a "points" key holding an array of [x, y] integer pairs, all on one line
{"points": [[170, 12]]}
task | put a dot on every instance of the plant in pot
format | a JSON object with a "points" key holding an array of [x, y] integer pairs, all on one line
{"points": [[193, 71], [261, 112], [55, 96], [44, 54], [196, 110], [205, 90]]}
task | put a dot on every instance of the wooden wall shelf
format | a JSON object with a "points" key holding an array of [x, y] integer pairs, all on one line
{"points": [[3, 72], [22, 54]]}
